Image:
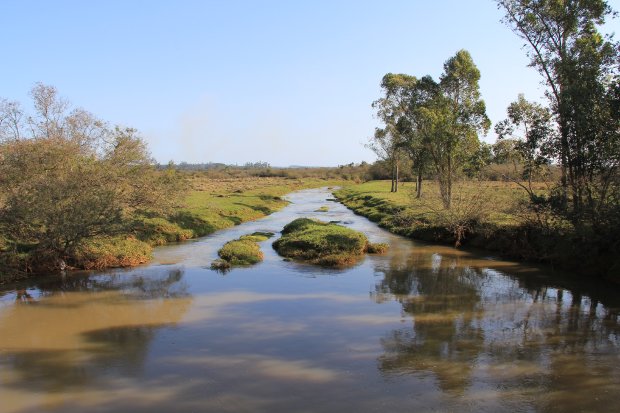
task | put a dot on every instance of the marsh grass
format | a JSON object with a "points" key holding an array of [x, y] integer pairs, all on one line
{"points": [[323, 243], [241, 252], [99, 253], [244, 251], [258, 236]]}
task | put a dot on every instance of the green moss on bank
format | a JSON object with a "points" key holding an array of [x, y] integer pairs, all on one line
{"points": [[323, 243]]}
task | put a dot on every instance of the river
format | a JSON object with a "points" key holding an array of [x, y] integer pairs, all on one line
{"points": [[421, 328]]}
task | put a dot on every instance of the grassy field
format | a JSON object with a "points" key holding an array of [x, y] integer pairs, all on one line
{"points": [[244, 251], [498, 201], [484, 214]]}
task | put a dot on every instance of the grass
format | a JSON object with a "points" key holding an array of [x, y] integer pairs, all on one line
{"points": [[215, 204], [211, 205], [241, 252], [488, 215], [322, 209], [323, 243], [479, 209], [99, 253], [374, 199], [258, 236]]}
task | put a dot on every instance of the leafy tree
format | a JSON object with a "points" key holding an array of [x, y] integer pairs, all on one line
{"points": [[387, 142], [66, 176], [454, 117], [530, 135], [580, 68], [416, 128], [435, 123]]}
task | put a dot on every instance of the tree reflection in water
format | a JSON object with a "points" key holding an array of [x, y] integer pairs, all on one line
{"points": [[528, 337], [108, 324], [446, 336]]}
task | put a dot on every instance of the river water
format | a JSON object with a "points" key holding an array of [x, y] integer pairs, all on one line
{"points": [[421, 328]]}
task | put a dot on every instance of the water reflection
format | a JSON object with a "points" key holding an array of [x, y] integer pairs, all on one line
{"points": [[471, 326], [442, 297], [76, 330]]}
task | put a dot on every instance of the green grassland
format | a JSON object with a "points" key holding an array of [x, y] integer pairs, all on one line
{"points": [[374, 200], [484, 214]]}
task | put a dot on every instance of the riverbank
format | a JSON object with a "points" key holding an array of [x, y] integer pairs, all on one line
{"points": [[210, 205], [485, 215]]}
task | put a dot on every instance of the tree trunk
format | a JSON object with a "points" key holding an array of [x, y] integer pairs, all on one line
{"points": [[418, 186], [396, 178]]}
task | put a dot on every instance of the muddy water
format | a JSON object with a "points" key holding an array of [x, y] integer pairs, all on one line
{"points": [[422, 328]]}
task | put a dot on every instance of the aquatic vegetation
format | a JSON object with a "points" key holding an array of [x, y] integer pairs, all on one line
{"points": [[258, 236], [242, 251], [323, 243]]}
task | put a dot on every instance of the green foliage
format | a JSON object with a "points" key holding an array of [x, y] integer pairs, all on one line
{"points": [[502, 225], [436, 123], [321, 243], [241, 252], [67, 177], [581, 69], [388, 142]]}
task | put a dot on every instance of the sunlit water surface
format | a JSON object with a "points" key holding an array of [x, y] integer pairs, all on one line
{"points": [[422, 328]]}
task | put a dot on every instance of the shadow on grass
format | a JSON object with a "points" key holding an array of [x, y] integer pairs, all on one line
{"points": [[187, 220]]}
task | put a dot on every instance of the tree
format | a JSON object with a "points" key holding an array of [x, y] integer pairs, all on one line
{"points": [[530, 135], [417, 129], [580, 68], [387, 142], [66, 177], [453, 117]]}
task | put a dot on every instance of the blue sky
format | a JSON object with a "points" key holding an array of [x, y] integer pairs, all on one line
{"points": [[285, 82]]}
